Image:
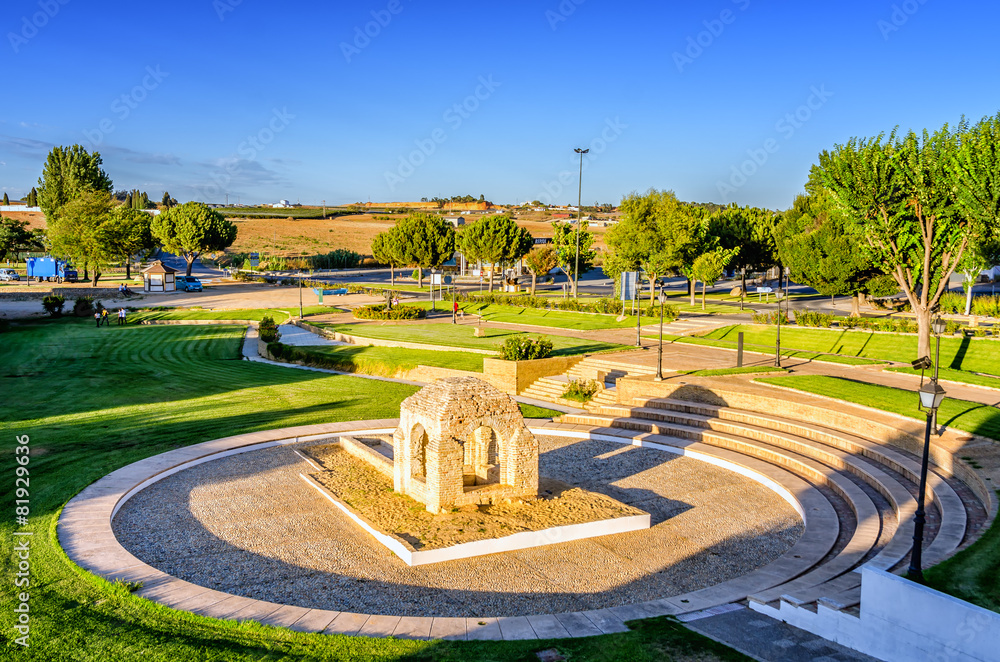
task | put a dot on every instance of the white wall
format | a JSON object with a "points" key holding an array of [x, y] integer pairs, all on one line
{"points": [[18, 207]]}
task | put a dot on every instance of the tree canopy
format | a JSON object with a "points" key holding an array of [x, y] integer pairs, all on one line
{"points": [[191, 229], [495, 240], [15, 237], [76, 230], [428, 241], [127, 232], [540, 262], [68, 172], [564, 243]]}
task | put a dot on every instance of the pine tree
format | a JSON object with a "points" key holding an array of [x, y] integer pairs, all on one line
{"points": [[6, 200], [33, 197], [145, 201], [128, 200]]}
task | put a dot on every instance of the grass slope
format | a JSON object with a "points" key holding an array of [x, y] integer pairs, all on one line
{"points": [[785, 352], [388, 361], [93, 400], [249, 314], [559, 319], [463, 336]]}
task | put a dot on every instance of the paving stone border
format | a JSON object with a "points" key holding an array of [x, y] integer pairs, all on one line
{"points": [[85, 533]]}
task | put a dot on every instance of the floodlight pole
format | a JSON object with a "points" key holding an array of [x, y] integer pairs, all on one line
{"points": [[777, 338], [937, 362], [579, 221], [300, 295], [659, 351]]}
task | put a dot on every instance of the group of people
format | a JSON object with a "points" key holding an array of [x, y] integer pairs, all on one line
{"points": [[123, 290], [101, 317]]}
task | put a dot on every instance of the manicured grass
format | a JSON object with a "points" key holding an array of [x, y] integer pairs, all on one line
{"points": [[388, 361], [462, 336], [955, 376], [970, 354], [972, 417], [727, 343], [745, 370], [560, 319], [249, 314], [93, 400]]}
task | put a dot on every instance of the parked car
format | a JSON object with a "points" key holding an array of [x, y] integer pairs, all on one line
{"points": [[9, 274], [188, 284]]}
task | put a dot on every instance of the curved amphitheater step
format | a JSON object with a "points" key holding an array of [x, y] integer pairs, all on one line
{"points": [[876, 481], [606, 370]]}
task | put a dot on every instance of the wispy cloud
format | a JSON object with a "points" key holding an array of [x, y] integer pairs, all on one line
{"points": [[25, 146], [133, 156]]}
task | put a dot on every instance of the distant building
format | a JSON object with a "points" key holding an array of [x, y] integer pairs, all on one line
{"points": [[284, 204], [456, 221]]}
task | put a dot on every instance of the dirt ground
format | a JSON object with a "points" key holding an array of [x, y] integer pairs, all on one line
{"points": [[370, 493]]}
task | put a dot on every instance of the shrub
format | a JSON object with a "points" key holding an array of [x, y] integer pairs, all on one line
{"points": [[524, 348], [382, 312], [268, 330], [770, 318], [53, 304], [83, 307], [581, 391], [4, 325], [810, 318]]}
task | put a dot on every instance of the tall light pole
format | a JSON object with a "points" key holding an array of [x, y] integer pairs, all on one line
{"points": [[939, 327], [579, 221], [659, 351]]}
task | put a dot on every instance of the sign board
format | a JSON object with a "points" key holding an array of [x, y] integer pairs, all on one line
{"points": [[254, 260], [436, 279], [765, 290], [630, 282]]}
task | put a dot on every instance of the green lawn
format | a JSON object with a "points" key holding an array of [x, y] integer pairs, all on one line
{"points": [[970, 354], [559, 319], [93, 400], [462, 336], [387, 361], [969, 416], [250, 314], [720, 372], [727, 343], [955, 376]]}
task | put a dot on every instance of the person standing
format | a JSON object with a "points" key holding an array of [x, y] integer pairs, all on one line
{"points": [[97, 318], [121, 317], [104, 317]]}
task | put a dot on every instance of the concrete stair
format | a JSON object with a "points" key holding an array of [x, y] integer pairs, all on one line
{"points": [[858, 471], [551, 389], [607, 370]]}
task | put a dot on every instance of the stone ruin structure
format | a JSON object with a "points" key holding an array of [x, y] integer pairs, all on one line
{"points": [[461, 441]]}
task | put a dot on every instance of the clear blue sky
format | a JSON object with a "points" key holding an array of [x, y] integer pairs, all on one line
{"points": [[188, 87]]}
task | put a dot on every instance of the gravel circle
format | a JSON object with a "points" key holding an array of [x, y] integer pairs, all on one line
{"points": [[247, 524]]}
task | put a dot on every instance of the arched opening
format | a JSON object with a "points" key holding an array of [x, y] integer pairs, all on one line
{"points": [[418, 449], [481, 453]]}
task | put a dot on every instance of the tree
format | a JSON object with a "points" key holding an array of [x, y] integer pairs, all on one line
{"points": [[815, 243], [751, 230], [167, 201], [126, 233], [32, 197], [129, 203], [917, 202], [192, 229], [6, 200], [540, 261], [14, 238], [564, 243], [710, 267], [388, 248], [980, 256], [68, 172], [428, 241], [495, 240], [76, 231]]}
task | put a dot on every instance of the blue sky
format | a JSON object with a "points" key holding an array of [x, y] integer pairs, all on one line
{"points": [[725, 101]]}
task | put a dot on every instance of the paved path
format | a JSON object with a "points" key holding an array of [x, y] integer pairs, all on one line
{"points": [[767, 639], [298, 337]]}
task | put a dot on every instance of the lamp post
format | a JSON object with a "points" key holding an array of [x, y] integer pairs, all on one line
{"points": [[777, 319], [938, 326], [300, 295], [659, 351], [931, 395], [579, 217]]}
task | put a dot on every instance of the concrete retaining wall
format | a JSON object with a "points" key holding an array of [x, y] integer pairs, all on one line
{"points": [[514, 377], [367, 454], [378, 342], [902, 621]]}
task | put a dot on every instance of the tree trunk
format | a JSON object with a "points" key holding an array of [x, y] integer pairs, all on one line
{"points": [[968, 297], [691, 289], [533, 277], [743, 287], [190, 258], [863, 299], [652, 289], [923, 332], [392, 276], [97, 274], [420, 276], [703, 288], [491, 277], [855, 306], [128, 268], [86, 271]]}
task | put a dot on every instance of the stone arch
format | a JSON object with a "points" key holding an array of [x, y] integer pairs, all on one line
{"points": [[418, 449], [484, 457]]}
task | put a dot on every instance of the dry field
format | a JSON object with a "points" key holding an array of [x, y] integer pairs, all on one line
{"points": [[36, 219]]}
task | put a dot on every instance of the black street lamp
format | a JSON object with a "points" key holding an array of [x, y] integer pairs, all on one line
{"points": [[931, 395], [659, 351], [939, 327], [579, 220]]}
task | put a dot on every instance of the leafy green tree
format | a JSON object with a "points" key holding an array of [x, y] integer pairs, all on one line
{"points": [[32, 197], [815, 243], [126, 233], [751, 230], [167, 201], [637, 241], [191, 229], [68, 172], [710, 267], [495, 240], [76, 231], [918, 202], [428, 242], [14, 238], [128, 201], [388, 247], [540, 262], [564, 243], [980, 256], [6, 200]]}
